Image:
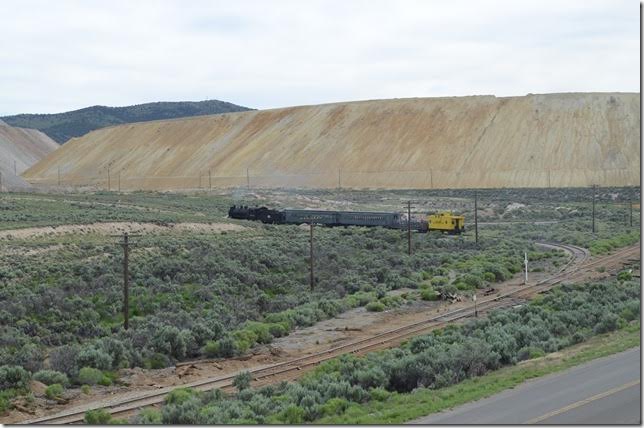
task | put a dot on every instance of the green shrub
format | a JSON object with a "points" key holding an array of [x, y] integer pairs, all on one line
{"points": [[473, 281], [224, 347], [375, 307], [156, 361], [278, 329], [489, 276], [179, 395], [530, 352], [54, 390], [14, 377], [629, 314], [85, 389], [334, 406], [439, 281], [608, 322], [148, 417], [89, 376], [50, 377], [379, 394], [98, 417], [260, 330], [429, 294], [91, 357], [105, 381], [624, 276], [242, 381], [293, 415], [460, 285]]}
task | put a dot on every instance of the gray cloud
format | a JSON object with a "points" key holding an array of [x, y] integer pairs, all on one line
{"points": [[56, 56]]}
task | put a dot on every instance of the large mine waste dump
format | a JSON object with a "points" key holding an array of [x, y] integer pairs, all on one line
{"points": [[552, 140]]}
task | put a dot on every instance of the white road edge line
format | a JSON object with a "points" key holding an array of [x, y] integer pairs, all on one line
{"points": [[582, 402]]}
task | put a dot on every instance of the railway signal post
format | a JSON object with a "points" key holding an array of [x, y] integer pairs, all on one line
{"points": [[476, 312]]}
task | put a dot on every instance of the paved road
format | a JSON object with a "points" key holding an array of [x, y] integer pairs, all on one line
{"points": [[603, 391]]}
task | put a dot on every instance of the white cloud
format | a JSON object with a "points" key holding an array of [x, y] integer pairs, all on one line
{"points": [[56, 56]]}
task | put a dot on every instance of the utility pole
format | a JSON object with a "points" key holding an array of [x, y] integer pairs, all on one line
{"points": [[210, 179], [126, 291], [631, 217], [109, 184], [525, 262], [548, 179], [119, 181], [339, 178], [15, 170], [126, 279], [476, 216], [312, 279], [594, 192], [0, 181], [58, 176], [409, 227], [247, 179]]}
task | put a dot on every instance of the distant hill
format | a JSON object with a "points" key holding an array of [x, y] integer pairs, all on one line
{"points": [[63, 126]]}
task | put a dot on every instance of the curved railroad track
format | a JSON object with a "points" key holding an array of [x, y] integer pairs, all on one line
{"points": [[575, 269]]}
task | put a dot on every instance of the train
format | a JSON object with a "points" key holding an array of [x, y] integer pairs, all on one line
{"points": [[445, 222]]}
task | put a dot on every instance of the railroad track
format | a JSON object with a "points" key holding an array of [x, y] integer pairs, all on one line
{"points": [[576, 268]]}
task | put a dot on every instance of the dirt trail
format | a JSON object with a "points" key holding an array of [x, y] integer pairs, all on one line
{"points": [[118, 227]]}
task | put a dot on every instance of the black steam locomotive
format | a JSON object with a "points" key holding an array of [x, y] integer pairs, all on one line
{"points": [[327, 218]]}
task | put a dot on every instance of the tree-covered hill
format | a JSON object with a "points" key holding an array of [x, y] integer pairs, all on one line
{"points": [[63, 126]]}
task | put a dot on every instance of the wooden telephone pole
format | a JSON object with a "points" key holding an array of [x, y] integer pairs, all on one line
{"points": [[409, 227], [126, 278], [312, 279]]}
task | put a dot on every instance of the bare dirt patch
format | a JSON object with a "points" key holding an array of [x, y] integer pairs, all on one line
{"points": [[118, 227]]}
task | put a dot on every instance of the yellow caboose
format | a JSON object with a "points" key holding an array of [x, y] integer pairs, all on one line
{"points": [[446, 222]]}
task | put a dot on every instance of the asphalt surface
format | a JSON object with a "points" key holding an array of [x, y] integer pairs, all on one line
{"points": [[603, 391]]}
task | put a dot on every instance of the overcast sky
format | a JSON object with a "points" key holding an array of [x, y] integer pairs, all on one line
{"points": [[63, 55]]}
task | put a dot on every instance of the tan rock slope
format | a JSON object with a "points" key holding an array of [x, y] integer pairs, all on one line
{"points": [[20, 148], [558, 140]]}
